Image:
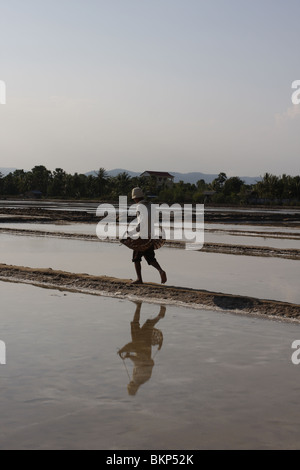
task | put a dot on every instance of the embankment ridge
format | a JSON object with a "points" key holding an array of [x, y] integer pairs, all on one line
{"points": [[123, 288]]}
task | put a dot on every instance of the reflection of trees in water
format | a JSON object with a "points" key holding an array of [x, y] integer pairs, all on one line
{"points": [[139, 350]]}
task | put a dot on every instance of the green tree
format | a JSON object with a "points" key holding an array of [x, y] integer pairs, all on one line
{"points": [[58, 183], [21, 181], [233, 185], [201, 185], [218, 183], [9, 186], [40, 179], [122, 184], [1, 182], [102, 182], [269, 187]]}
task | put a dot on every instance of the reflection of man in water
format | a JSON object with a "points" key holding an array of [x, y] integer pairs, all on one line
{"points": [[140, 349]]}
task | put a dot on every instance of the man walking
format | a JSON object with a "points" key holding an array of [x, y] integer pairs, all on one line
{"points": [[144, 224]]}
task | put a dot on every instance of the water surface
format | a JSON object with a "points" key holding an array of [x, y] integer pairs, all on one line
{"points": [[219, 381], [217, 235]]}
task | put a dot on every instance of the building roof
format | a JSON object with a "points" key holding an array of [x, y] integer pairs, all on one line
{"points": [[159, 174]]}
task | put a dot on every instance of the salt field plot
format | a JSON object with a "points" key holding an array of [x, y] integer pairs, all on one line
{"points": [[253, 228], [267, 278], [218, 381], [84, 229], [281, 243], [218, 236]]}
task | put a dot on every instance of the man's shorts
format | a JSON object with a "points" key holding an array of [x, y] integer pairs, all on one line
{"points": [[149, 256]]}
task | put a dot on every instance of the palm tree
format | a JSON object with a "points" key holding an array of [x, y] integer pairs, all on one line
{"points": [[101, 181], [123, 183]]}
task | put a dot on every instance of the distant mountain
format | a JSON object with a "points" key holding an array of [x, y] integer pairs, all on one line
{"points": [[115, 172], [192, 177], [6, 171], [251, 179]]}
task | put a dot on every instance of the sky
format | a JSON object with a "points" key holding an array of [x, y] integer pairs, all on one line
{"points": [[170, 85]]}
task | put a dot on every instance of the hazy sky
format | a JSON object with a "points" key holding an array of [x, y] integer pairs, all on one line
{"points": [[175, 85]]}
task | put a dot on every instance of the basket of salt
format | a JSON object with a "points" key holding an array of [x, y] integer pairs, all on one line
{"points": [[141, 244]]}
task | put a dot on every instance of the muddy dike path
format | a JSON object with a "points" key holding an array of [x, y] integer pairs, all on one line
{"points": [[151, 292], [250, 217]]}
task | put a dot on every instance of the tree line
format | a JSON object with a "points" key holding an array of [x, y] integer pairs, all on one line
{"points": [[100, 186]]}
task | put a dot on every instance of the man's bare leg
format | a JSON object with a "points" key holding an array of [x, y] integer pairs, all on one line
{"points": [[161, 315], [138, 268], [137, 314], [162, 273]]}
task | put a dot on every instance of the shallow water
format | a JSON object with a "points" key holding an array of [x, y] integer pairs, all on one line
{"points": [[271, 278], [281, 243], [211, 236], [253, 228], [220, 381], [85, 229], [262, 210]]}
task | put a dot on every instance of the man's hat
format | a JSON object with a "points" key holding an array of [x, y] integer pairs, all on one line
{"points": [[137, 193]]}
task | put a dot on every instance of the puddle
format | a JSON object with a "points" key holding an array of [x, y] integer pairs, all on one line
{"points": [[217, 381], [267, 278]]}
